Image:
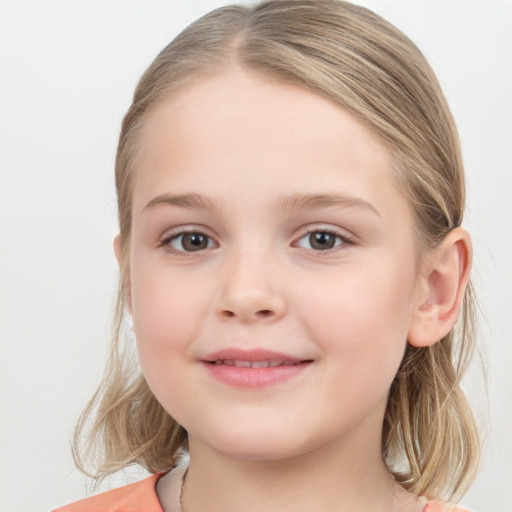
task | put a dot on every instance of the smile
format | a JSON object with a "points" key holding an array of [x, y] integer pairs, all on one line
{"points": [[272, 363], [253, 369]]}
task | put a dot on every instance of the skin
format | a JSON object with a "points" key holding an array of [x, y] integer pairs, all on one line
{"points": [[248, 145]]}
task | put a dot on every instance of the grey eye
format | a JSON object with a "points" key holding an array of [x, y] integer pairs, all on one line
{"points": [[191, 242], [320, 240]]}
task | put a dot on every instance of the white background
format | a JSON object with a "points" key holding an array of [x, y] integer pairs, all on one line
{"points": [[68, 69]]}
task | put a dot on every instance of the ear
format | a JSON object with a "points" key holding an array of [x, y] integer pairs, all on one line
{"points": [[441, 289], [118, 251]]}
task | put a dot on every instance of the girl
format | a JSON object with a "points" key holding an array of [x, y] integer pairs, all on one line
{"points": [[290, 194]]}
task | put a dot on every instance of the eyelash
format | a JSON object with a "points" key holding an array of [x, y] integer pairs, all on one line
{"points": [[166, 241], [343, 238]]}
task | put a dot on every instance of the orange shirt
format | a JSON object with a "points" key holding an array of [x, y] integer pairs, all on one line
{"points": [[141, 497], [138, 497]]}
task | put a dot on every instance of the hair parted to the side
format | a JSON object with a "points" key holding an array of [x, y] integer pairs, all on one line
{"points": [[364, 64]]}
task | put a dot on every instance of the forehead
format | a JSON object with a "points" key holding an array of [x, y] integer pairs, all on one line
{"points": [[239, 131]]}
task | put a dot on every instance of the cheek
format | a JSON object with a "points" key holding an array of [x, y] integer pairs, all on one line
{"points": [[166, 312], [166, 316], [361, 320]]}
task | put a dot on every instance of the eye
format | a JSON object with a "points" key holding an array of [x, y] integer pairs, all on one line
{"points": [[321, 240], [189, 242]]}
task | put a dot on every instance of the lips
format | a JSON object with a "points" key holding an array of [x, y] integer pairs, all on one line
{"points": [[254, 368], [268, 363], [251, 356]]}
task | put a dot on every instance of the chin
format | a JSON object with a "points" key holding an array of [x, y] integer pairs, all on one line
{"points": [[260, 444], [268, 452]]}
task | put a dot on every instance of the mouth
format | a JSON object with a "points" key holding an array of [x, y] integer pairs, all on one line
{"points": [[253, 369], [269, 363]]}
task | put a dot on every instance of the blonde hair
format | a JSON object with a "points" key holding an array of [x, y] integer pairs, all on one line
{"points": [[364, 64]]}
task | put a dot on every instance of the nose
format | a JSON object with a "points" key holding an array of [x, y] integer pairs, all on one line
{"points": [[250, 291]]}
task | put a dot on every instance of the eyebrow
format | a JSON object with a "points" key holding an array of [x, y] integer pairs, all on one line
{"points": [[316, 201], [189, 201], [194, 201]]}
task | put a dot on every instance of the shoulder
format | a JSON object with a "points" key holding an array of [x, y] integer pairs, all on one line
{"points": [[438, 506], [129, 498]]}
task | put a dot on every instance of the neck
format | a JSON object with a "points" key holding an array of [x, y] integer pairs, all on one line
{"points": [[343, 475]]}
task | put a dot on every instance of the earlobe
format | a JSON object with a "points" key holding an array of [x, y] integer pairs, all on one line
{"points": [[443, 284]]}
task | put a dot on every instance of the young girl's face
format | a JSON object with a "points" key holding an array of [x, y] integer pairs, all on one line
{"points": [[272, 268]]}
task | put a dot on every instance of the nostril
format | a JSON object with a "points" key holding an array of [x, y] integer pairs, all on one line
{"points": [[261, 314], [264, 313]]}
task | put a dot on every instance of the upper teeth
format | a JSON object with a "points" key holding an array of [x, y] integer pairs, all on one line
{"points": [[255, 364]]}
